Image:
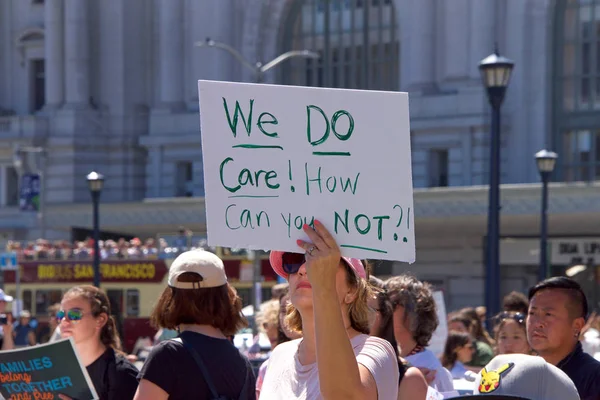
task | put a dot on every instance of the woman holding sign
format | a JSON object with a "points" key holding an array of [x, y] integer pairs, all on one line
{"points": [[85, 316], [336, 358]]}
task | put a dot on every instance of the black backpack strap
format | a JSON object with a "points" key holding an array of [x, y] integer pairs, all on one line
{"points": [[201, 365]]}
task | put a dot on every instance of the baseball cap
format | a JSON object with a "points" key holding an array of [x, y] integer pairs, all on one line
{"points": [[204, 263], [525, 376], [276, 263], [5, 297]]}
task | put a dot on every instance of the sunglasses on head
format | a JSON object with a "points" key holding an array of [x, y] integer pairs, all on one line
{"points": [[511, 315], [72, 315], [292, 262]]}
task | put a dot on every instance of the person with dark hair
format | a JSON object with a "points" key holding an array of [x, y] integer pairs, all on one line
{"points": [[201, 363], [515, 302], [458, 351], [477, 330], [414, 320], [482, 340], [53, 328], [558, 311], [412, 383], [459, 322], [85, 316], [462, 322]]}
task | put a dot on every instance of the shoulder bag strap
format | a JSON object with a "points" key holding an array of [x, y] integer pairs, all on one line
{"points": [[200, 364]]}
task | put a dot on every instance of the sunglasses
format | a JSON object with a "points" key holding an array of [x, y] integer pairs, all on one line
{"points": [[72, 315], [292, 262], [511, 315]]}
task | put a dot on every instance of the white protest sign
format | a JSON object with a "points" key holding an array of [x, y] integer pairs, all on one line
{"points": [[440, 335], [278, 157]]}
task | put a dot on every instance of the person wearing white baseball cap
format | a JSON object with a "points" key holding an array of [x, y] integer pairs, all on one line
{"points": [[6, 323], [201, 363]]}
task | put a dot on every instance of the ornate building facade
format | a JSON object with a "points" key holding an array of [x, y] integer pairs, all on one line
{"points": [[111, 86]]}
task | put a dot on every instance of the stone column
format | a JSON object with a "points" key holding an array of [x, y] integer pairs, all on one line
{"points": [[418, 52], [481, 36], [157, 173], [171, 39], [456, 37], [77, 53], [53, 49]]}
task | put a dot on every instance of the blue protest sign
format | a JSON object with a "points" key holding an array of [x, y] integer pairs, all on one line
{"points": [[44, 372]]}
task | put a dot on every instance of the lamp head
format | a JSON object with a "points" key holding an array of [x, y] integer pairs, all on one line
{"points": [[546, 160], [496, 71], [95, 181]]}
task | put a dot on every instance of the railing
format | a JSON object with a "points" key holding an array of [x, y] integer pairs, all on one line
{"points": [[170, 252]]}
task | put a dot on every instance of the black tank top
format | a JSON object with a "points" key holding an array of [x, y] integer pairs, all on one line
{"points": [[403, 366]]}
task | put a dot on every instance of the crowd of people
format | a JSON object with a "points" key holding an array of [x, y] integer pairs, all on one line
{"points": [[160, 247], [335, 331]]}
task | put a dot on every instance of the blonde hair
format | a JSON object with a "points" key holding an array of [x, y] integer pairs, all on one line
{"points": [[268, 314], [358, 311]]}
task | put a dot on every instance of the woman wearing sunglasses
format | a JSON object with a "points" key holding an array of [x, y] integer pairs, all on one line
{"points": [[85, 316], [336, 358], [458, 351]]}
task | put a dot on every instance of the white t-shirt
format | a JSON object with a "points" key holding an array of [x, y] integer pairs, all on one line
{"points": [[426, 359], [287, 379]]}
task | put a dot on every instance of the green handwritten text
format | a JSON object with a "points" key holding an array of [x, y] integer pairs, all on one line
{"points": [[247, 177], [347, 184], [245, 219]]}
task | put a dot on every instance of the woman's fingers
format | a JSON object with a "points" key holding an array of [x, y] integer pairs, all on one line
{"points": [[304, 245], [324, 234], [316, 238]]}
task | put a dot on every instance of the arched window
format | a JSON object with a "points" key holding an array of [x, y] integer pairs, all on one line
{"points": [[357, 41], [577, 88]]}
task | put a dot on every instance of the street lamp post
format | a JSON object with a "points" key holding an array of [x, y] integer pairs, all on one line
{"points": [[546, 160], [258, 69], [96, 183], [495, 73]]}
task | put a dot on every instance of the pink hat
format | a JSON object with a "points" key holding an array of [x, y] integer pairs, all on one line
{"points": [[276, 263]]}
